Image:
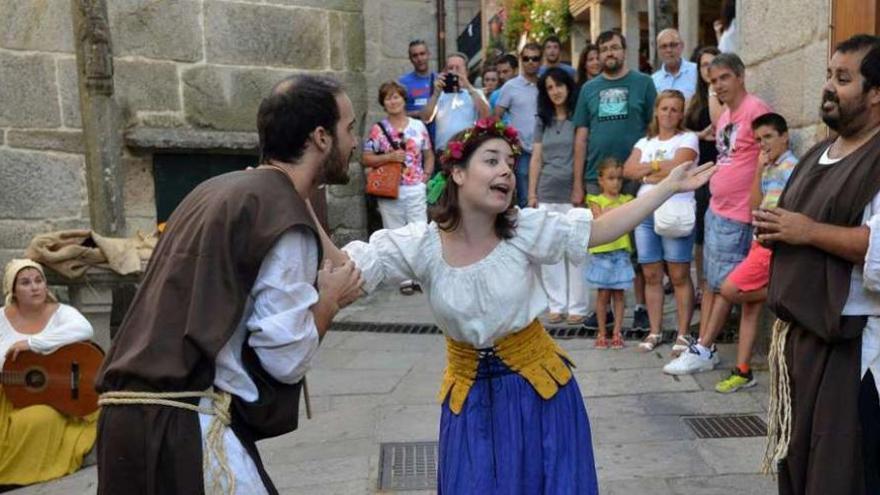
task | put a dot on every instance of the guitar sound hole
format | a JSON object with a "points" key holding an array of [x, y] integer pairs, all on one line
{"points": [[35, 379]]}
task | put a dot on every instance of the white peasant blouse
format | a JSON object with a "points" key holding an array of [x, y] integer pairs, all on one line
{"points": [[486, 300]]}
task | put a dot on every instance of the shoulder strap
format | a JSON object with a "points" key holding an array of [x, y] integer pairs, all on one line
{"points": [[394, 143]]}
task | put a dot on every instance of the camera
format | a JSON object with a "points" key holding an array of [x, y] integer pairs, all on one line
{"points": [[450, 82]]}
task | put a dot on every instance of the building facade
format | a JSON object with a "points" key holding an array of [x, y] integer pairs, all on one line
{"points": [[188, 77]]}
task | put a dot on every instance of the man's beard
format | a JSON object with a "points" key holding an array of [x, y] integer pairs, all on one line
{"points": [[335, 168], [847, 122], [613, 67]]}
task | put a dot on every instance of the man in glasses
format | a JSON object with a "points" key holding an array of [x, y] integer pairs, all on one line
{"points": [[612, 113], [519, 99], [676, 72]]}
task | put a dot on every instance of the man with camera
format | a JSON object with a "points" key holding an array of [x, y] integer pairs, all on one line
{"points": [[519, 99], [455, 104]]}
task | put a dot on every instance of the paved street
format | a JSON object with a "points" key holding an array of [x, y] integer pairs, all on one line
{"points": [[369, 388]]}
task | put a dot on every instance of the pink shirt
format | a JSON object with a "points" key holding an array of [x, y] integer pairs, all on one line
{"points": [[737, 160]]}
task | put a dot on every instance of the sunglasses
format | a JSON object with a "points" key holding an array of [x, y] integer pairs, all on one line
{"points": [[531, 59]]}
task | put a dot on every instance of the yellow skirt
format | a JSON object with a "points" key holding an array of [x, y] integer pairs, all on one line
{"points": [[38, 443]]}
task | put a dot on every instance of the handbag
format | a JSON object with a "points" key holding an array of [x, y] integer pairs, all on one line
{"points": [[384, 181], [675, 218]]}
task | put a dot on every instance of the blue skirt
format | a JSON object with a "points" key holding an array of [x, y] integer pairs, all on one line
{"points": [[612, 270], [508, 440]]}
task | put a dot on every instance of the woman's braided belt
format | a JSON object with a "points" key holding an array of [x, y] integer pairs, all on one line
{"points": [[529, 352]]}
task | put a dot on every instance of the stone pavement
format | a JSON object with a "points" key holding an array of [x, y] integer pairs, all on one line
{"points": [[369, 388]]}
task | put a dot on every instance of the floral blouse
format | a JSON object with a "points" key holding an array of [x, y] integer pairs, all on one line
{"points": [[416, 140]]}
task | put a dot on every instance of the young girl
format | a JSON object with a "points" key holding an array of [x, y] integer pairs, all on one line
{"points": [[610, 270], [513, 419]]}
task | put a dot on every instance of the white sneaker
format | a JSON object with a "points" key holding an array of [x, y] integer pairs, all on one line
{"points": [[690, 362]]}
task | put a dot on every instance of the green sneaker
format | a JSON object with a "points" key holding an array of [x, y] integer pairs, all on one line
{"points": [[735, 381]]}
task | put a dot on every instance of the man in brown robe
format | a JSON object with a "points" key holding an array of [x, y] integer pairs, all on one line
{"points": [[822, 419], [230, 311]]}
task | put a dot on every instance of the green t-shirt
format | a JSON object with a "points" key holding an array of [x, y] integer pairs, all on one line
{"points": [[617, 113], [602, 201]]}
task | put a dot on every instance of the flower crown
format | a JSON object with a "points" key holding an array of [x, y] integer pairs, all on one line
{"points": [[455, 151], [488, 126]]}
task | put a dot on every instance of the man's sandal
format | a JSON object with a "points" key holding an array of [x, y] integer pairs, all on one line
{"points": [[651, 342]]}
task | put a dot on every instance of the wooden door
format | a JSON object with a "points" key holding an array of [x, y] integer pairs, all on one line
{"points": [[849, 17]]}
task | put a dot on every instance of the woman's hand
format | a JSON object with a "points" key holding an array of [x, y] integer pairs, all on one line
{"points": [[577, 196], [397, 156], [707, 134], [14, 349], [688, 177]]}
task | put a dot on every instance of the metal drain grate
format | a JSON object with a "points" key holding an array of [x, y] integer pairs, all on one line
{"points": [[558, 331], [408, 328], [408, 466], [727, 426]]}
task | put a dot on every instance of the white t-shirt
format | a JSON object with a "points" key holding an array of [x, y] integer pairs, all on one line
{"points": [[864, 286], [655, 149]]}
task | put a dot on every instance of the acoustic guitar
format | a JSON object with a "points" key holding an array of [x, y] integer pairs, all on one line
{"points": [[64, 380]]}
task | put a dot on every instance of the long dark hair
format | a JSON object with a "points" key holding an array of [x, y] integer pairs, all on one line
{"points": [[700, 100], [546, 108], [582, 75], [447, 212], [728, 14]]}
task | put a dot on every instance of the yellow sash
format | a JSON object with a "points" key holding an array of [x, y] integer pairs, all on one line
{"points": [[530, 352]]}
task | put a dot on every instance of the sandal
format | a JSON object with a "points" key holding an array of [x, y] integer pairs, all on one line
{"points": [[617, 341], [651, 342], [407, 289], [682, 342], [575, 319], [555, 318], [601, 341]]}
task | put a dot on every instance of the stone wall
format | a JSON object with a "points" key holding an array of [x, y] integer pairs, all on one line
{"points": [[189, 75], [390, 25], [784, 45]]}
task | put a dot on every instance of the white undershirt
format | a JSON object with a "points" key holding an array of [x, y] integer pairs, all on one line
{"points": [[279, 326], [864, 291], [65, 326]]}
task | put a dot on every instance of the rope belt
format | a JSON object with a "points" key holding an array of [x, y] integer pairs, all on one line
{"points": [[220, 402], [779, 412]]}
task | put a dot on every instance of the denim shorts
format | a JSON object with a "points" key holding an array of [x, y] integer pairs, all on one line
{"points": [[727, 243], [611, 270], [653, 248]]}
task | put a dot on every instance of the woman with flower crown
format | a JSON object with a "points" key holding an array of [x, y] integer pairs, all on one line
{"points": [[513, 420]]}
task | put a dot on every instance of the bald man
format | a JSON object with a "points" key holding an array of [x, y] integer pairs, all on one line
{"points": [[676, 72]]}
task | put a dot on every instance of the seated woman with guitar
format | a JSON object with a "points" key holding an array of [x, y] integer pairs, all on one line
{"points": [[37, 443]]}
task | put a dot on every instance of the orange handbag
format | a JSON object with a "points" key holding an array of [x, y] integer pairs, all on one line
{"points": [[384, 181]]}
